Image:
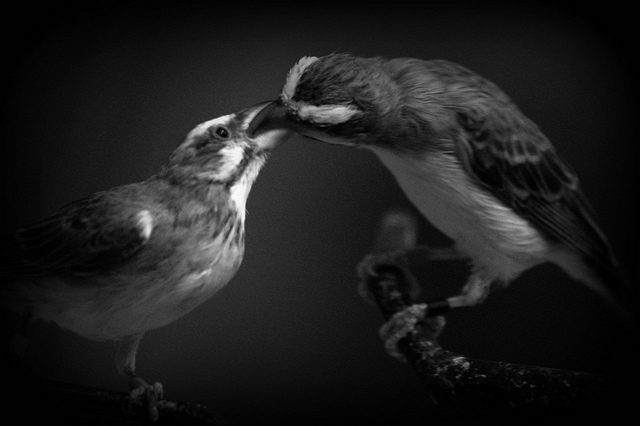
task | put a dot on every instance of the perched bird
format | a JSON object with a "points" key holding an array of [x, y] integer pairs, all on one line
{"points": [[472, 163], [118, 263]]}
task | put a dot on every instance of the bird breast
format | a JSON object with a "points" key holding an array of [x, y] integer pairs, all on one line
{"points": [[198, 268], [186, 270], [500, 243]]}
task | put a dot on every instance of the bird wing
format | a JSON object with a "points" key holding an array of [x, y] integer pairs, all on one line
{"points": [[510, 158], [84, 237]]}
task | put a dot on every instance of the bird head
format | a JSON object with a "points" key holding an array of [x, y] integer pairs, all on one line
{"points": [[227, 149], [339, 99]]}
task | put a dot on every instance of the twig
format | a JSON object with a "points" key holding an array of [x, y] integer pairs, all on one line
{"points": [[464, 386], [40, 400]]}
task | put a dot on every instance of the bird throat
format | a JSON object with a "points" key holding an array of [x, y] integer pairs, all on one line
{"points": [[239, 189]]}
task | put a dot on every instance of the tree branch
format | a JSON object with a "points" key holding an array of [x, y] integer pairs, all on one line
{"points": [[34, 400], [460, 385]]}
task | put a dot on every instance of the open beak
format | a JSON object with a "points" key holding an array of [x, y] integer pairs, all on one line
{"points": [[268, 124]]}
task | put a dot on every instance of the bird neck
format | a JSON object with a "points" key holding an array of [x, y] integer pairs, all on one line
{"points": [[198, 186]]}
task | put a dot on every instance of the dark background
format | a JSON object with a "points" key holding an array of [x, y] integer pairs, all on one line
{"points": [[98, 97]]}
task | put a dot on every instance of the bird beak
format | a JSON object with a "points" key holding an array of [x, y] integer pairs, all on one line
{"points": [[268, 125], [273, 115]]}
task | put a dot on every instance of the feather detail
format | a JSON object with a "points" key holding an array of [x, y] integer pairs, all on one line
{"points": [[465, 155], [325, 114], [517, 164], [294, 75], [145, 222], [500, 243], [86, 236]]}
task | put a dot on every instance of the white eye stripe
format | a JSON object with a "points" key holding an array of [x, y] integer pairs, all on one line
{"points": [[293, 76], [324, 114]]}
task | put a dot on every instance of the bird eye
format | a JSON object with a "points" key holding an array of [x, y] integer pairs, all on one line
{"points": [[222, 132]]}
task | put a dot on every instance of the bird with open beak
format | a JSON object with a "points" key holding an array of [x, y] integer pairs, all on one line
{"points": [[471, 162], [118, 263]]}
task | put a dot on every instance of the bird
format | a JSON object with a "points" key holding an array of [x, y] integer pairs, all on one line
{"points": [[471, 162], [118, 263]]}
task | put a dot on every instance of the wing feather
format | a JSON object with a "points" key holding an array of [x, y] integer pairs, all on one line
{"points": [[84, 237], [511, 159]]}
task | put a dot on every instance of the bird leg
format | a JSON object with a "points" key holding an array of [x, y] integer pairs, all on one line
{"points": [[430, 314], [427, 314], [140, 390], [473, 293]]}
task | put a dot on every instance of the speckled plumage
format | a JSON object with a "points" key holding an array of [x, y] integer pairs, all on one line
{"points": [[90, 269], [469, 159], [124, 261]]}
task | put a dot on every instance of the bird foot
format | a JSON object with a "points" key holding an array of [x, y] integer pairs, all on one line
{"points": [[369, 267], [142, 393], [405, 322]]}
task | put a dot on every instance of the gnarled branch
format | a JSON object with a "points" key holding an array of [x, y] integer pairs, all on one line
{"points": [[463, 386]]}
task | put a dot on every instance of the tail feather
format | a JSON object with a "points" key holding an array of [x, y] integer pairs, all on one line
{"points": [[603, 276], [609, 279]]}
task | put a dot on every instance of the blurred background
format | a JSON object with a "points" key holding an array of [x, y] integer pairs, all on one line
{"points": [[98, 96]]}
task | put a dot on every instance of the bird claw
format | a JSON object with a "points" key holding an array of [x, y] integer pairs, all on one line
{"points": [[147, 395], [404, 322], [369, 268]]}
